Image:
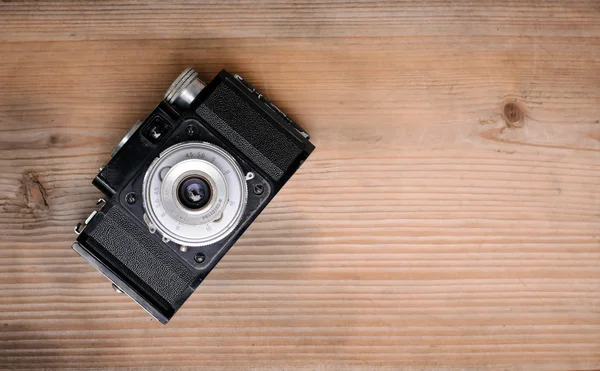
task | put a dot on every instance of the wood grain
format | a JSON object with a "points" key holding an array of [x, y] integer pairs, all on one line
{"points": [[425, 232]]}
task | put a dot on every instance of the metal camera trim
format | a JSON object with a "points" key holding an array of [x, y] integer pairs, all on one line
{"points": [[226, 216], [125, 138], [184, 89]]}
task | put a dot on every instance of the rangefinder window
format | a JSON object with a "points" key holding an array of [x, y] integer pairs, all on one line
{"points": [[156, 130]]}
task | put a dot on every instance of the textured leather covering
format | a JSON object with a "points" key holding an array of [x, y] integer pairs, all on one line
{"points": [[145, 257], [249, 131]]}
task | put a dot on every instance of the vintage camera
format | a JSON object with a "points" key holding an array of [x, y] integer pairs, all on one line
{"points": [[184, 184]]}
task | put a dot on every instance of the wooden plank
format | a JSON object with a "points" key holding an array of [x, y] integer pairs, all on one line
{"points": [[117, 20], [427, 230]]}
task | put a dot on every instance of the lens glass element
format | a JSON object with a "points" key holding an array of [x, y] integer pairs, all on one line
{"points": [[194, 193]]}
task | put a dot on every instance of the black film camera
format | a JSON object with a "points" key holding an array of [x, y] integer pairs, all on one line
{"points": [[184, 184]]}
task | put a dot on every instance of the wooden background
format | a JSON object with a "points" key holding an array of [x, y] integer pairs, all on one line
{"points": [[427, 231]]}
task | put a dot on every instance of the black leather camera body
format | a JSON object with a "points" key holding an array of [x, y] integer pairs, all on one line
{"points": [[184, 184]]}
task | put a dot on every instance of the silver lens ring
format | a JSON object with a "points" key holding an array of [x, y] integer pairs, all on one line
{"points": [[212, 222], [186, 169]]}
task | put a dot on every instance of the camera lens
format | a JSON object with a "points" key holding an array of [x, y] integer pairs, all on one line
{"points": [[194, 193]]}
